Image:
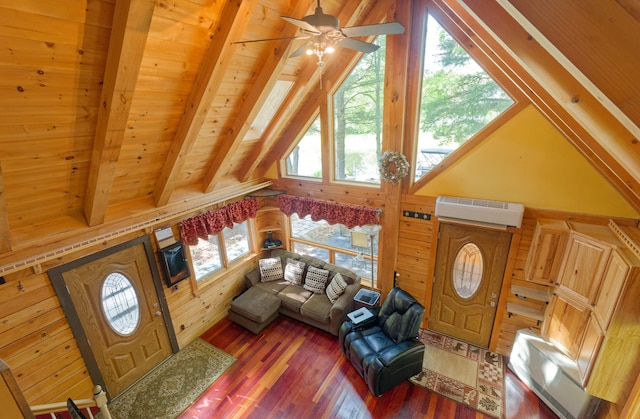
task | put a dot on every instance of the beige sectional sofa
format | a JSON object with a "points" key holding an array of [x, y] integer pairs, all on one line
{"points": [[305, 302]]}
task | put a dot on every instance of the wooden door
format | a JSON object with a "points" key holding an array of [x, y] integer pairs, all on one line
{"points": [[121, 316], [470, 264]]}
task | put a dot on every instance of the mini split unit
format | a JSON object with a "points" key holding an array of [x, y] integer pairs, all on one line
{"points": [[479, 212]]}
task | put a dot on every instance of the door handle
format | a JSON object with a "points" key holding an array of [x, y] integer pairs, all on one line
{"points": [[492, 303]]}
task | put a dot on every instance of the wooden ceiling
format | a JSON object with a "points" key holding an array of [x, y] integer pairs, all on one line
{"points": [[110, 108]]}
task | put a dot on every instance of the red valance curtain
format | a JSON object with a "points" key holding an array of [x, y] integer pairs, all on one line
{"points": [[332, 212], [213, 222]]}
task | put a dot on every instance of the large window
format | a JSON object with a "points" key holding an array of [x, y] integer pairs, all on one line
{"points": [[337, 244], [458, 99], [357, 126], [357, 108], [220, 250]]}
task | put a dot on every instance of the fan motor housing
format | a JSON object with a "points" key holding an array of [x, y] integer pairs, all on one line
{"points": [[320, 20]]}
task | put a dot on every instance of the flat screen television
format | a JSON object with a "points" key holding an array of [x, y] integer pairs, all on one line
{"points": [[174, 264]]}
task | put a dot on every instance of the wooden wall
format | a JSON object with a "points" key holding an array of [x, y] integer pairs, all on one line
{"points": [[36, 340]]}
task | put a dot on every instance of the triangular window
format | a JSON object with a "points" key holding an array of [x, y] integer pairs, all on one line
{"points": [[458, 99], [304, 160]]}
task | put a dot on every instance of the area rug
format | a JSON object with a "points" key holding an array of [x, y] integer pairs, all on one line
{"points": [[174, 384], [462, 372]]}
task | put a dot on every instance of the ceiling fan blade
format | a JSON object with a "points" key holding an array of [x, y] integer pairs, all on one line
{"points": [[390, 28], [300, 51], [272, 39], [358, 45], [302, 24]]}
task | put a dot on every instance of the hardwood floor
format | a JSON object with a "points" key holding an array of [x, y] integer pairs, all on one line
{"points": [[292, 370]]}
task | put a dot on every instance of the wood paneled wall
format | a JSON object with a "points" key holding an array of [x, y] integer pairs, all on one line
{"points": [[36, 340]]}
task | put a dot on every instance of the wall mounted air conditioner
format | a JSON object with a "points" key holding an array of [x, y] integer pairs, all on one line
{"points": [[482, 212]]}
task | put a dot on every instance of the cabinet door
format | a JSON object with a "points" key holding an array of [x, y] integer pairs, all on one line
{"points": [[588, 351], [565, 325], [584, 266], [612, 283], [547, 247]]}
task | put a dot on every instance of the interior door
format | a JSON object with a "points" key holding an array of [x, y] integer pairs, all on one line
{"points": [[121, 316], [470, 264]]}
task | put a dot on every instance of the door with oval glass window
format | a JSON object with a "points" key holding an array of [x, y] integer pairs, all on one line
{"points": [[120, 314], [470, 264]]}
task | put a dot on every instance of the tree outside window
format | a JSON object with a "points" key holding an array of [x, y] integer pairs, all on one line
{"points": [[209, 256], [458, 99]]}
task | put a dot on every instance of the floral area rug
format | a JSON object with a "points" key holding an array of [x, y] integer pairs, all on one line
{"points": [[174, 384], [465, 373]]}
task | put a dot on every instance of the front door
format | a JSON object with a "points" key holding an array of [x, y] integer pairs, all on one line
{"points": [[120, 315], [470, 264]]}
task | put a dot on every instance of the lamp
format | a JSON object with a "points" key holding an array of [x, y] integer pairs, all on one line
{"points": [[372, 231], [320, 46]]}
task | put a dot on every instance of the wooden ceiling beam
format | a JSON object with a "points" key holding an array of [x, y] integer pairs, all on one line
{"points": [[265, 81], [582, 118], [5, 240], [129, 32], [232, 22]]}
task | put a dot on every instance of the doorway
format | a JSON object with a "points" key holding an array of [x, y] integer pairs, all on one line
{"points": [[470, 265], [116, 308]]}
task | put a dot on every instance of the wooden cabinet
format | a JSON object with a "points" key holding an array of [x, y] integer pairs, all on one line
{"points": [[545, 255], [588, 351], [565, 324], [594, 314], [617, 365], [583, 266]]}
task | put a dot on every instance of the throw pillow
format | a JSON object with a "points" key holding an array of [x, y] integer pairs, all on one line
{"points": [[336, 288], [270, 269], [293, 271], [315, 280]]}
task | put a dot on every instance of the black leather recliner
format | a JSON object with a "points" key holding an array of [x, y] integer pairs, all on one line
{"points": [[384, 349]]}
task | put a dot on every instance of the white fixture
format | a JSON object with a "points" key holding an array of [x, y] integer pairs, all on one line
{"points": [[481, 212], [551, 375]]}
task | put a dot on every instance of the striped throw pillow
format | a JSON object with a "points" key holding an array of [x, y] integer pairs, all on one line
{"points": [[336, 288], [316, 279], [293, 271], [270, 269]]}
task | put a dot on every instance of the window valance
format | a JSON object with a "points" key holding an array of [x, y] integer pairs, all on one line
{"points": [[213, 222], [332, 212]]}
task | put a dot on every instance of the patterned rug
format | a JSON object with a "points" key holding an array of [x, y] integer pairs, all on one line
{"points": [[462, 372], [174, 384]]}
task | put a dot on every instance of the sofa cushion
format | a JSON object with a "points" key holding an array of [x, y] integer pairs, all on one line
{"points": [[256, 305], [274, 287], [318, 308], [336, 287], [316, 280], [294, 296], [270, 269], [293, 271]]}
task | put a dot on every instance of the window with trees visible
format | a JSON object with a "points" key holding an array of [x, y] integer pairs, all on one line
{"points": [[220, 251], [334, 244], [458, 99], [357, 110], [357, 126], [304, 159]]}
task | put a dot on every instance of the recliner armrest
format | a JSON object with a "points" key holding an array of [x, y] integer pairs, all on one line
{"points": [[399, 351]]}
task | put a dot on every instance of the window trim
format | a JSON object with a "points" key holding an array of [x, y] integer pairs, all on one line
{"points": [[227, 266]]}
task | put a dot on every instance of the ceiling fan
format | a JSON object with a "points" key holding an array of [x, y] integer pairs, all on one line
{"points": [[325, 34]]}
